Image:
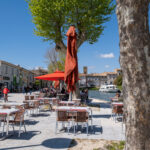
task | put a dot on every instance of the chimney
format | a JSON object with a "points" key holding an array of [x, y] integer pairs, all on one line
{"points": [[85, 69]]}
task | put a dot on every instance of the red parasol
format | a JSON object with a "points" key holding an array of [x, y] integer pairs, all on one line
{"points": [[57, 75], [71, 63]]}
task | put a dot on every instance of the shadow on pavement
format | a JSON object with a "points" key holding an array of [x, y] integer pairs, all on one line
{"points": [[57, 143], [31, 122], [25, 135], [102, 116], [40, 115], [97, 129]]}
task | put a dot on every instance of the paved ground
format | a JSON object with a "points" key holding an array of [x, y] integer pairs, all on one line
{"points": [[41, 130]]}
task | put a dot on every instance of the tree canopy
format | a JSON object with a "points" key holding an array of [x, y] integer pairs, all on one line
{"points": [[52, 19]]}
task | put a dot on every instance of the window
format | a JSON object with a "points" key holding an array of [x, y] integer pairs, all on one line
{"points": [[12, 71]]}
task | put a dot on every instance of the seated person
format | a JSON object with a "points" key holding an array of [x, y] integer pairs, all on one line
{"points": [[63, 90], [86, 94], [118, 94], [83, 96]]}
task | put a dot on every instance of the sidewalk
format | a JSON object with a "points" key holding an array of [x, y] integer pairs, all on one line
{"points": [[41, 131]]}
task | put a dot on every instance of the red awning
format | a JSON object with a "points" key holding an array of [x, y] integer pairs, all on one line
{"points": [[57, 75]]}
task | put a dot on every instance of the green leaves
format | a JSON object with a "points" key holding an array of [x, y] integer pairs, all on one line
{"points": [[118, 81], [52, 18], [116, 146]]}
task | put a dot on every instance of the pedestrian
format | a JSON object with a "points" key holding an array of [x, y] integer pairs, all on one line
{"points": [[30, 89], [5, 92], [25, 89]]}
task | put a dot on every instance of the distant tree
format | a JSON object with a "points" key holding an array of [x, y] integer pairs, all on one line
{"points": [[118, 80], [20, 84], [37, 83], [15, 84], [55, 60]]}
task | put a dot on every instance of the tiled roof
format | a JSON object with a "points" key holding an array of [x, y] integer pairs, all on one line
{"points": [[100, 74]]}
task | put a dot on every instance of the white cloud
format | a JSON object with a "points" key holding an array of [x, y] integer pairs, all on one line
{"points": [[109, 55], [91, 67], [107, 66]]}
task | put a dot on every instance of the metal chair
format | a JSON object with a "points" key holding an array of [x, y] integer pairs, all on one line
{"points": [[18, 120], [62, 117], [32, 97], [82, 117], [6, 107], [48, 103], [28, 107], [117, 111], [2, 120], [26, 97]]}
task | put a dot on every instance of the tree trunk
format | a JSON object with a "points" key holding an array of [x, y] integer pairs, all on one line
{"points": [[135, 63], [76, 94]]}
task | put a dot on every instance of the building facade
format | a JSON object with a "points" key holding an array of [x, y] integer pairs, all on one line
{"points": [[14, 76], [98, 79]]}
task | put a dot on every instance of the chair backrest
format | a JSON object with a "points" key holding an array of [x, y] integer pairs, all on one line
{"points": [[6, 107], [26, 106], [46, 101], [36, 104], [55, 102], [62, 104], [19, 116], [70, 104], [26, 97], [81, 116], [41, 95], [118, 109], [32, 97], [62, 115]]}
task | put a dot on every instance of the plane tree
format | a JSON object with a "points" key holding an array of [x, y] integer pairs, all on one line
{"points": [[52, 19], [135, 63]]}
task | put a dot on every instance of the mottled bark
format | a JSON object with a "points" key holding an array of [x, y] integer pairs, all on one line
{"points": [[135, 63]]}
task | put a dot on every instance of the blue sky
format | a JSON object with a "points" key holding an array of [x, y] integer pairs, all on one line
{"points": [[19, 45]]}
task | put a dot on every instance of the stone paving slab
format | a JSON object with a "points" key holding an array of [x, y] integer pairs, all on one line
{"points": [[41, 131]]}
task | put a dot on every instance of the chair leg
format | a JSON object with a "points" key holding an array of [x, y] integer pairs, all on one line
{"points": [[24, 127], [87, 128], [68, 127], [13, 127], [92, 123], [116, 117], [56, 127], [20, 128], [3, 128], [74, 129]]}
